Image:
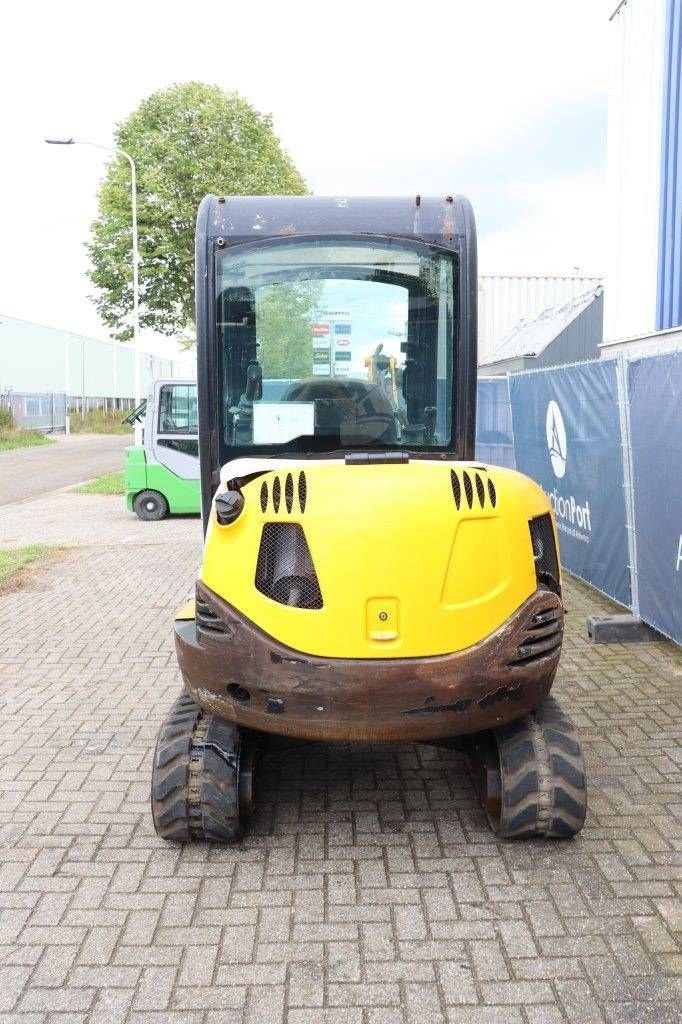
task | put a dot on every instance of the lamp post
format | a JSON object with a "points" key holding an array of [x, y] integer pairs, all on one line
{"points": [[136, 290]]}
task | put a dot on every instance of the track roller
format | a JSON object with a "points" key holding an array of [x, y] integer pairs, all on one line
{"points": [[202, 778], [530, 775]]}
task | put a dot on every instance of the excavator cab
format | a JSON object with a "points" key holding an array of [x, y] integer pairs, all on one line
{"points": [[363, 577]]}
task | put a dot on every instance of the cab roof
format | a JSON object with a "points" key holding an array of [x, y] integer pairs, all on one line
{"points": [[438, 220]]}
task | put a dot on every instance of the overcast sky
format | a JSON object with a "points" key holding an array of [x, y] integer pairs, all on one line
{"points": [[502, 100]]}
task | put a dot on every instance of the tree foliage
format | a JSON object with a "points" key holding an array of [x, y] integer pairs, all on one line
{"points": [[284, 318], [186, 141]]}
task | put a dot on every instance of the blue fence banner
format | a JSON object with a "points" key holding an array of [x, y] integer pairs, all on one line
{"points": [[567, 437], [494, 435], [655, 398]]}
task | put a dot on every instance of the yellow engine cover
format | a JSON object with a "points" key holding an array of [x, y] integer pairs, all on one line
{"points": [[403, 572]]}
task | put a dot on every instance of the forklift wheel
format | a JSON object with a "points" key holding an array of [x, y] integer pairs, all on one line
{"points": [[202, 778], [530, 775], [150, 505]]}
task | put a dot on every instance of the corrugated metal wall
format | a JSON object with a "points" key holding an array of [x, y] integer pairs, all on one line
{"points": [[634, 166], [669, 310], [42, 359], [578, 342], [504, 299]]}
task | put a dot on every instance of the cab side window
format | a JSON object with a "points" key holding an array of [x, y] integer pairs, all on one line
{"points": [[178, 409]]}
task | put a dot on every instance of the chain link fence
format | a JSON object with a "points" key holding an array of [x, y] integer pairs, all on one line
{"points": [[47, 411], [32, 411], [79, 404]]}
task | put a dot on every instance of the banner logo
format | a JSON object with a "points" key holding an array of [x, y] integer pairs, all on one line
{"points": [[556, 439]]}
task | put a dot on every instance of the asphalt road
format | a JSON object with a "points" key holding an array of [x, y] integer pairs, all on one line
{"points": [[30, 472]]}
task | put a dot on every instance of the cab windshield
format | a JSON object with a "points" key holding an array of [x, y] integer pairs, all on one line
{"points": [[334, 344]]}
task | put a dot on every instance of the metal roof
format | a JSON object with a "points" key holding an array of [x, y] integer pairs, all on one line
{"points": [[532, 335]]}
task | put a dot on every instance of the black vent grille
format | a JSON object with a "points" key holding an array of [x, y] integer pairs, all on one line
{"points": [[473, 488], [543, 638], [207, 622], [468, 489], [456, 489], [545, 553], [492, 493], [285, 571], [274, 492]]}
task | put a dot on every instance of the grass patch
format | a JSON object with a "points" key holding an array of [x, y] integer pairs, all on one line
{"points": [[110, 483], [14, 562], [97, 421], [10, 439]]}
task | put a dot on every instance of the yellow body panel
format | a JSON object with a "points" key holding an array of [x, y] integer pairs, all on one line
{"points": [[402, 572]]}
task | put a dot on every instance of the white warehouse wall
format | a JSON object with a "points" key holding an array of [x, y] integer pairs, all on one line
{"points": [[38, 359], [505, 299], [634, 166]]}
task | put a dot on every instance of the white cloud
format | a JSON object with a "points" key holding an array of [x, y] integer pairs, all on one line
{"points": [[563, 228], [368, 98]]}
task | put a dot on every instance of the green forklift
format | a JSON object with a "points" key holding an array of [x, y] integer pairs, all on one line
{"points": [[162, 474]]}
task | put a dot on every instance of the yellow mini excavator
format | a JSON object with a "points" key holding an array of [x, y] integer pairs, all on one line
{"points": [[363, 577]]}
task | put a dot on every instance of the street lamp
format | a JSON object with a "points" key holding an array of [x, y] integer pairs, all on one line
{"points": [[136, 297]]}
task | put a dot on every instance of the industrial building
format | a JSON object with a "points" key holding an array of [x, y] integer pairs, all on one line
{"points": [[567, 333], [44, 360], [644, 286], [506, 299]]}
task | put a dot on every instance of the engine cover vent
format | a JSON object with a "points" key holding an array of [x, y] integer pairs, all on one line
{"points": [[473, 487], [284, 570], [480, 490], [207, 622], [289, 489], [492, 492], [542, 640], [468, 489], [456, 489], [545, 553]]}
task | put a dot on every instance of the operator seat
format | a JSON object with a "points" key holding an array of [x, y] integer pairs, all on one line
{"points": [[356, 409]]}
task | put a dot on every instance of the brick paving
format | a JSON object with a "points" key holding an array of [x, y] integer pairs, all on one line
{"points": [[368, 890]]}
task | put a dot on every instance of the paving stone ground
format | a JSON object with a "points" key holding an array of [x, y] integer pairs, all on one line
{"points": [[368, 890]]}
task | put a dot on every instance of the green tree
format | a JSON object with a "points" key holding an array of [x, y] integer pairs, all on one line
{"points": [[284, 319], [186, 141]]}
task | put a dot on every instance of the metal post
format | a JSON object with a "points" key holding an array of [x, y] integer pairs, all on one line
{"points": [[628, 478], [624, 628], [115, 388], [136, 283], [136, 296], [82, 378], [66, 383]]}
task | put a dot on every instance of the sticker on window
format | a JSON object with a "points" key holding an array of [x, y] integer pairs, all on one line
{"points": [[277, 422]]}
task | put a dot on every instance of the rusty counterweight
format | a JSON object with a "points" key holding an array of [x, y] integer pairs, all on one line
{"points": [[240, 673]]}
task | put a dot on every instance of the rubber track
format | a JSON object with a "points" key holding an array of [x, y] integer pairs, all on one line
{"points": [[543, 775], [194, 776]]}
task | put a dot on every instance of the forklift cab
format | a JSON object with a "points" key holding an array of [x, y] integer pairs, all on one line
{"points": [[162, 474]]}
